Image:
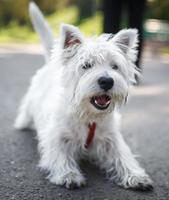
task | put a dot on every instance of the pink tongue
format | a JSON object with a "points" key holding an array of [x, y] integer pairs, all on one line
{"points": [[101, 100]]}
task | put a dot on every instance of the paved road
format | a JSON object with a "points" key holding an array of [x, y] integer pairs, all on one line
{"points": [[145, 127]]}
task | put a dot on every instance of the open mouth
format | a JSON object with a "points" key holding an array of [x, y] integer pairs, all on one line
{"points": [[101, 102]]}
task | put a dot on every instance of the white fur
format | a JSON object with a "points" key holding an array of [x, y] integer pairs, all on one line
{"points": [[42, 28], [58, 106]]}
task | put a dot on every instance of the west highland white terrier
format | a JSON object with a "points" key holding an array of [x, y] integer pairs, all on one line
{"points": [[73, 103]]}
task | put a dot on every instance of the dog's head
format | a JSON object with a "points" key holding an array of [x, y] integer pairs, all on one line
{"points": [[97, 71]]}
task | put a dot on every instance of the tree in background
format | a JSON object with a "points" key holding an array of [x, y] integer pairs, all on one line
{"points": [[10, 10], [86, 9], [158, 9], [17, 10], [50, 6]]}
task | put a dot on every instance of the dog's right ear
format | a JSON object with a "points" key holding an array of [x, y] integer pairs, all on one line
{"points": [[71, 37]]}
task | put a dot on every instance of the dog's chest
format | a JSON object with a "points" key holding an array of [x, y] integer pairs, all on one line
{"points": [[89, 135]]}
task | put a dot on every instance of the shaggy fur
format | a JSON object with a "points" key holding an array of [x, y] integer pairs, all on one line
{"points": [[58, 105]]}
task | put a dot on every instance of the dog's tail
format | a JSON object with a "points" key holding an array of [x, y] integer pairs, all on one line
{"points": [[42, 28]]}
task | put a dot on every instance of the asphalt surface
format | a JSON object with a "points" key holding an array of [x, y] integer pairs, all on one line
{"points": [[145, 128]]}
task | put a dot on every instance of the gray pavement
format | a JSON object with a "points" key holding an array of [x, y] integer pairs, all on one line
{"points": [[145, 127]]}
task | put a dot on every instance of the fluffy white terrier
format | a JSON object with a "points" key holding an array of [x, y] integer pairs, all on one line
{"points": [[73, 103]]}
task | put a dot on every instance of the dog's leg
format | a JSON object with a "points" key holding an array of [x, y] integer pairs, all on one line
{"points": [[121, 166], [59, 158], [24, 119]]}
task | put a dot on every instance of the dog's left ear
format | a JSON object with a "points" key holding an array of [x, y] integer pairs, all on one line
{"points": [[71, 36], [126, 39]]}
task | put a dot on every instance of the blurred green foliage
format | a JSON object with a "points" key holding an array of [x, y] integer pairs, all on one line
{"points": [[85, 10], [17, 10], [15, 33], [13, 10], [158, 9], [15, 24]]}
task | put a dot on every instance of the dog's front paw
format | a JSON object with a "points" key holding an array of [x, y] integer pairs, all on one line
{"points": [[71, 180], [143, 183]]}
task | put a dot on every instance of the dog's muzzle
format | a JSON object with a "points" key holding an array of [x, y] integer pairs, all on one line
{"points": [[101, 102]]}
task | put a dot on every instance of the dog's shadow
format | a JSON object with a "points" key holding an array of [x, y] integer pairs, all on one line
{"points": [[28, 148], [35, 180]]}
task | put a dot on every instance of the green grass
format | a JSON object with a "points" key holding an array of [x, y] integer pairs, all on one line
{"points": [[15, 33]]}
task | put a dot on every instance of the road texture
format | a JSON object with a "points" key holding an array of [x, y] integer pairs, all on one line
{"points": [[145, 127]]}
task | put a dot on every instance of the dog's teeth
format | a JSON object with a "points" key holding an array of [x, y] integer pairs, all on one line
{"points": [[108, 102], [102, 101], [95, 101]]}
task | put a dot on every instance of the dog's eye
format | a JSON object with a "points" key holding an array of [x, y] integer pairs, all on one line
{"points": [[86, 66], [115, 67]]}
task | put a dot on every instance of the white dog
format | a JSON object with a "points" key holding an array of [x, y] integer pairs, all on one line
{"points": [[73, 103]]}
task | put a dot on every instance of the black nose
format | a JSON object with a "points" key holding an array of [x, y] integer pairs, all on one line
{"points": [[105, 83]]}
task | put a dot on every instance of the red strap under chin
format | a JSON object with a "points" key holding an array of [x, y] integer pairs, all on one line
{"points": [[91, 132]]}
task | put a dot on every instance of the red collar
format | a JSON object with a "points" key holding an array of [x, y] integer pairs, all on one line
{"points": [[91, 133]]}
